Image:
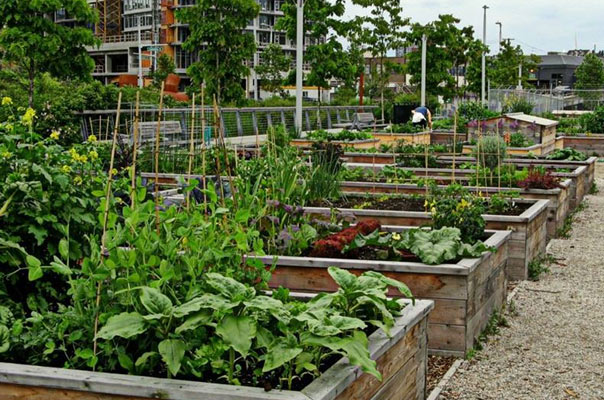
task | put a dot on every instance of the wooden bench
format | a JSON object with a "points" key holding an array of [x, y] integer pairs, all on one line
{"points": [[168, 131], [361, 121]]}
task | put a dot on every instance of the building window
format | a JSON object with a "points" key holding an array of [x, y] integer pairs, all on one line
{"points": [[183, 59], [130, 5], [183, 34], [131, 21]]}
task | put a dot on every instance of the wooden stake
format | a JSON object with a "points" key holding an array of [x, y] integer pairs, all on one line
{"points": [[203, 149], [106, 217], [157, 131], [135, 150], [191, 150], [454, 144]]}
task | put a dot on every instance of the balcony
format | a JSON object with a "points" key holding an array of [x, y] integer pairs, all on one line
{"points": [[127, 37]]}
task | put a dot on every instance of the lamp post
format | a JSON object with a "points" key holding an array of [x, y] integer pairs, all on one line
{"points": [[299, 62], [500, 32], [424, 50], [140, 54], [484, 57]]}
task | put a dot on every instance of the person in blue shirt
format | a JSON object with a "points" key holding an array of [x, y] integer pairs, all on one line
{"points": [[422, 116]]}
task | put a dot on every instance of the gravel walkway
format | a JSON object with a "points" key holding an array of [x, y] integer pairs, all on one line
{"points": [[554, 347]]}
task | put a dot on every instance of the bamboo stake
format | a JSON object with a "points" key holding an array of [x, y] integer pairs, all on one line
{"points": [[257, 143], [100, 128], [426, 166], [191, 150], [203, 149], [226, 155], [478, 160], [498, 161], [135, 149], [107, 129], [157, 131], [105, 219], [218, 166], [454, 144]]}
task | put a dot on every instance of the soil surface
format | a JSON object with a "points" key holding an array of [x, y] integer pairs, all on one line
{"points": [[437, 368], [554, 346]]}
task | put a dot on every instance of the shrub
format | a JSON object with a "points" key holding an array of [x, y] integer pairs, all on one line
{"points": [[490, 151], [539, 178], [515, 104]]}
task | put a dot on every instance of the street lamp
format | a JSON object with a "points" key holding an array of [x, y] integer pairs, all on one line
{"points": [[484, 56], [299, 62], [500, 32]]}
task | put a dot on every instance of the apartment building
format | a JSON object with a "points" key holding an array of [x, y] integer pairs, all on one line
{"points": [[126, 25]]}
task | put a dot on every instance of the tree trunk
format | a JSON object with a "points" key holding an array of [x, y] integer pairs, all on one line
{"points": [[32, 77]]}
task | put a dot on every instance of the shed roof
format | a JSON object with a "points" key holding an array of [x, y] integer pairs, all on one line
{"points": [[560, 59], [532, 119]]}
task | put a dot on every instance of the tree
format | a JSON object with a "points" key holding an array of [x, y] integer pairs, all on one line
{"points": [[31, 40], [274, 64], [590, 76], [382, 31], [217, 34], [323, 28], [165, 67], [503, 68], [448, 49]]}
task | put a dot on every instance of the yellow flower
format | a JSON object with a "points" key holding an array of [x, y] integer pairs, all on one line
{"points": [[433, 211], [426, 204], [7, 154], [83, 159], [54, 135], [7, 101], [28, 117], [113, 172], [91, 139], [93, 155], [77, 180], [66, 169], [396, 236]]}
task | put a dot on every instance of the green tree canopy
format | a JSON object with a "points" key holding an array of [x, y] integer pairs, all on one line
{"points": [[165, 67], [274, 64], [218, 36], [30, 39], [503, 68], [590, 76]]}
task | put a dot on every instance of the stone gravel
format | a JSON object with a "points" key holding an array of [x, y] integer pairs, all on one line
{"points": [[554, 345]]}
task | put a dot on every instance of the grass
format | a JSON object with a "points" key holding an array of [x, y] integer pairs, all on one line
{"points": [[594, 189], [539, 265], [565, 230], [496, 321]]}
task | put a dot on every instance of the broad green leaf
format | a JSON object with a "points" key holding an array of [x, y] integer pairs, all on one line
{"points": [[190, 306], [356, 349], [242, 215], [347, 323], [123, 325], [345, 279], [35, 268], [59, 267], [229, 287], [155, 301], [264, 337], [273, 306], [125, 361], [400, 286], [172, 352], [194, 321], [237, 332], [279, 353]]}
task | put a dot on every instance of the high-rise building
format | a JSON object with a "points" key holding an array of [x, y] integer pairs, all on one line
{"points": [[124, 25]]}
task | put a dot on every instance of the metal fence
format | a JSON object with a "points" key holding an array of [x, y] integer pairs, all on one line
{"points": [[547, 100], [235, 121]]}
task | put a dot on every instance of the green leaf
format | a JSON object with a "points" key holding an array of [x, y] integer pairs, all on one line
{"points": [[356, 349], [124, 325], [155, 301], [4, 339], [35, 268], [39, 233], [59, 267], [143, 359], [125, 361], [64, 248], [273, 306], [343, 278], [400, 286], [347, 323], [280, 352], [172, 352], [237, 332], [242, 215], [229, 287], [194, 321]]}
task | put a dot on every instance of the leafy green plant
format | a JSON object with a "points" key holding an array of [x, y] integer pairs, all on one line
{"points": [[568, 154], [518, 139], [490, 151], [344, 135]]}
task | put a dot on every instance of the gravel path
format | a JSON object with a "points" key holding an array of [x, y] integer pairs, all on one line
{"points": [[554, 347]]}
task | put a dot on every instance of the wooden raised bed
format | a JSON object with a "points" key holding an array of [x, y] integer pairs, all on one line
{"points": [[370, 158], [410, 138], [536, 149], [592, 144], [558, 206], [357, 144], [465, 294], [401, 359], [527, 241]]}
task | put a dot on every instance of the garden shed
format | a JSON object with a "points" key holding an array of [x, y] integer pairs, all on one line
{"points": [[535, 129]]}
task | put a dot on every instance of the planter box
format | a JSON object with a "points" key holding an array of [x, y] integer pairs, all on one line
{"points": [[410, 138], [370, 158], [591, 145], [441, 137], [357, 144], [401, 358], [465, 294], [537, 149], [558, 206], [528, 236]]}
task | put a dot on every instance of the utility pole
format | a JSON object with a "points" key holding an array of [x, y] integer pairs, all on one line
{"points": [[520, 76], [140, 55], [500, 32], [484, 57], [299, 62], [424, 51]]}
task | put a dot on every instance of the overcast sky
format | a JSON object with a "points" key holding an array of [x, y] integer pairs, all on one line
{"points": [[537, 25]]}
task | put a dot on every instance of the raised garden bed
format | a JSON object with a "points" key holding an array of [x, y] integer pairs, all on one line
{"points": [[589, 144], [558, 206], [465, 293], [410, 138], [401, 359], [357, 144], [527, 241], [536, 149]]}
